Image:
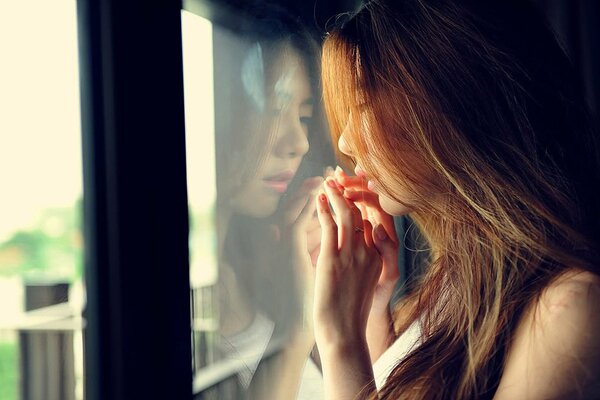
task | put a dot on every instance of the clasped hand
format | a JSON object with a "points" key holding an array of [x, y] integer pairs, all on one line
{"points": [[356, 261]]}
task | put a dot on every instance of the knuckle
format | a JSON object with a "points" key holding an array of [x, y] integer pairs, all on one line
{"points": [[324, 210], [361, 254]]}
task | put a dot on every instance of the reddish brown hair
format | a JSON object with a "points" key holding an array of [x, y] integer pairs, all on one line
{"points": [[472, 101]]}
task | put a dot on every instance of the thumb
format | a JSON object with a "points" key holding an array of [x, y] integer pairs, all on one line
{"points": [[388, 250]]}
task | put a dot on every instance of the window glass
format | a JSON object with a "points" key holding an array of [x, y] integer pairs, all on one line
{"points": [[41, 248], [257, 150]]}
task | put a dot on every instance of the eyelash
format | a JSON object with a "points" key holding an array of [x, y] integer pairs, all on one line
{"points": [[306, 120]]}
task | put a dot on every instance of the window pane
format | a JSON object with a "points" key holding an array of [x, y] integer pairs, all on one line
{"points": [[41, 248], [257, 150]]}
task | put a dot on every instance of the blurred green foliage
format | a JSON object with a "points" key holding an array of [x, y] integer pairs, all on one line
{"points": [[9, 370], [52, 248]]}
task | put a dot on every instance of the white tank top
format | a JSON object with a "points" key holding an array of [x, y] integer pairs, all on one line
{"points": [[410, 339], [311, 386]]}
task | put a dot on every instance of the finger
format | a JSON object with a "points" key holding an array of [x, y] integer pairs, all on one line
{"points": [[306, 215], [314, 255], [329, 171], [353, 182], [389, 253], [350, 182], [344, 214], [313, 239], [297, 202], [364, 211], [340, 174], [367, 197], [365, 201], [313, 222], [329, 229], [368, 233], [357, 217], [375, 213]]}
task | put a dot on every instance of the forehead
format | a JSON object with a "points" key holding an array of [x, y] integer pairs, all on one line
{"points": [[288, 74]]}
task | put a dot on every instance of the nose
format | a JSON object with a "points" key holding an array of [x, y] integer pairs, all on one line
{"points": [[293, 141]]}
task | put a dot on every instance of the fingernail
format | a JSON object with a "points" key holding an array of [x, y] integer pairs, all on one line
{"points": [[359, 172], [380, 232], [322, 197], [328, 170], [331, 183], [338, 170]]}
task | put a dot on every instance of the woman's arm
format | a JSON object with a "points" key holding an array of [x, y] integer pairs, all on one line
{"points": [[347, 370], [556, 350], [347, 273], [380, 332], [291, 362]]}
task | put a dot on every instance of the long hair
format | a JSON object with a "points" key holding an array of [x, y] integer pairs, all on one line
{"points": [[468, 113], [247, 55]]}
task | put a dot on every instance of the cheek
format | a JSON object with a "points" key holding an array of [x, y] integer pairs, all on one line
{"points": [[392, 207]]}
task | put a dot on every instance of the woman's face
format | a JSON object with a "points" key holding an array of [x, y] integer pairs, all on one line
{"points": [[288, 111], [388, 204]]}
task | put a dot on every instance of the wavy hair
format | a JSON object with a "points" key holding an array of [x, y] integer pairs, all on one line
{"points": [[469, 113]]}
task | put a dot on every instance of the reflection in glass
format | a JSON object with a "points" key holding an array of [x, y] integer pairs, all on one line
{"points": [[270, 150]]}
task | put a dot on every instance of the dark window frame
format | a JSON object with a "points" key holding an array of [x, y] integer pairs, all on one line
{"points": [[137, 333]]}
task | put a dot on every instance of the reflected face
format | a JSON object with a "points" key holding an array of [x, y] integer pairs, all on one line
{"points": [[288, 110], [388, 204]]}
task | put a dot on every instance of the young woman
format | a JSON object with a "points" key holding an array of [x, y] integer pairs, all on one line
{"points": [[465, 116], [269, 165]]}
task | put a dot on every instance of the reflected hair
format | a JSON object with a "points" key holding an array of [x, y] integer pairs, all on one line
{"points": [[267, 33], [473, 101]]}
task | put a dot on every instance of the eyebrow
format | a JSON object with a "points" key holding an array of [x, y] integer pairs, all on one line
{"points": [[287, 96]]}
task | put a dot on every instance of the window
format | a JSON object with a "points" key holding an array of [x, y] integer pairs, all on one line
{"points": [[188, 173], [41, 245], [256, 142]]}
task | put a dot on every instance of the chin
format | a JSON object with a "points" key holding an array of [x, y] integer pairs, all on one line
{"points": [[255, 206], [392, 207]]}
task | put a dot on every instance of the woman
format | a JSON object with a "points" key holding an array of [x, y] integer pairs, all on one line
{"points": [[267, 121], [463, 115]]}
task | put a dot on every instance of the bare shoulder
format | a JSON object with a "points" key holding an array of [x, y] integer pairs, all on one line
{"points": [[574, 291], [571, 304], [555, 352]]}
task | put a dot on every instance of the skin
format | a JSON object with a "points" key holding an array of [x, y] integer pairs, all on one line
{"points": [[386, 203], [555, 353], [295, 233], [289, 108]]}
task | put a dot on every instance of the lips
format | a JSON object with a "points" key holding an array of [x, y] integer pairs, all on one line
{"points": [[279, 182]]}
